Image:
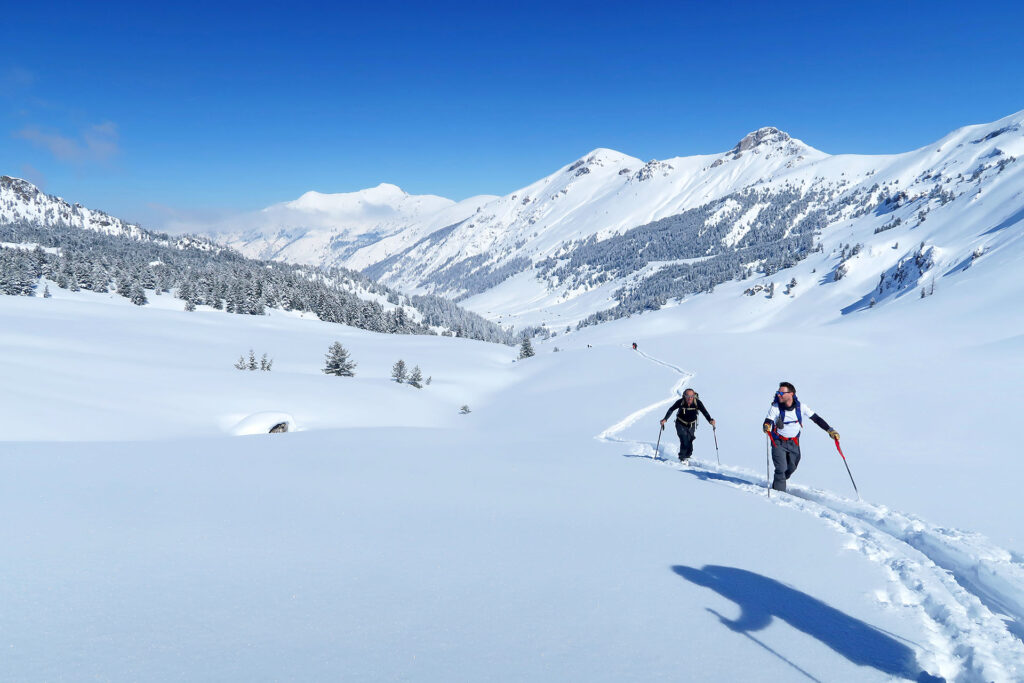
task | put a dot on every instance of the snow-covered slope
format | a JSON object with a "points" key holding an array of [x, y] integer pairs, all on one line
{"points": [[602, 193], [390, 537], [702, 222]]}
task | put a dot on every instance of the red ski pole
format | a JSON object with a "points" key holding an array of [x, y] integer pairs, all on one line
{"points": [[847, 468]]}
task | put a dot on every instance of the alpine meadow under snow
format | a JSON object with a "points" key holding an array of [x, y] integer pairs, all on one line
{"points": [[512, 519]]}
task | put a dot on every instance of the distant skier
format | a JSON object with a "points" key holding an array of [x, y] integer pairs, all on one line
{"points": [[782, 425], [634, 346], [686, 421]]}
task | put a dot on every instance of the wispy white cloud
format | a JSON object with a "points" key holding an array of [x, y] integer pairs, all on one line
{"points": [[97, 143], [177, 221]]}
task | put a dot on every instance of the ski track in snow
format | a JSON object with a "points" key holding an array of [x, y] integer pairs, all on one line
{"points": [[968, 592]]}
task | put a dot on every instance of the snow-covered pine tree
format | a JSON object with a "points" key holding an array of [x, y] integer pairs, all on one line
{"points": [[338, 362], [252, 361], [416, 378], [526, 348], [266, 364], [398, 371], [138, 295], [124, 285], [240, 365]]}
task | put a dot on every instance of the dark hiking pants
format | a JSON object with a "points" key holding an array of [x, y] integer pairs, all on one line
{"points": [[785, 457], [687, 433]]}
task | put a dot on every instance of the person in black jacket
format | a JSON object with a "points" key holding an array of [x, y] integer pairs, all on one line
{"points": [[686, 421]]}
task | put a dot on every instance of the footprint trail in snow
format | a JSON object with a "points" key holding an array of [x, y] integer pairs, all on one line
{"points": [[968, 592]]}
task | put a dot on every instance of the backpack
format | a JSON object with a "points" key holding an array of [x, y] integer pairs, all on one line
{"points": [[796, 406], [682, 407]]}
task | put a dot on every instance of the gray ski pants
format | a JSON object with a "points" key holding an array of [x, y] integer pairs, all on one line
{"points": [[686, 433], [785, 457]]}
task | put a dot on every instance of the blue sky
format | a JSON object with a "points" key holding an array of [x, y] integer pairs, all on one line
{"points": [[197, 109]]}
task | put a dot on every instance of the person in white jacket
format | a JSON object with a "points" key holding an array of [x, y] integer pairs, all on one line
{"points": [[783, 424]]}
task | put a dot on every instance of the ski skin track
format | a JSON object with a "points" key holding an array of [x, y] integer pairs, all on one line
{"points": [[968, 593]]}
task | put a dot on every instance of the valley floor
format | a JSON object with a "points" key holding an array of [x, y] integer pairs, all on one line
{"points": [[536, 537]]}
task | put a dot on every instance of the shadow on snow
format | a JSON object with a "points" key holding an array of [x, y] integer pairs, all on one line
{"points": [[700, 471], [761, 599]]}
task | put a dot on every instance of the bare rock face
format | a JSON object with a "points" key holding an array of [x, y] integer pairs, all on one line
{"points": [[759, 136], [279, 428], [24, 190], [768, 141]]}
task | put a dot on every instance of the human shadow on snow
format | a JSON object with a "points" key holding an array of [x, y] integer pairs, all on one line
{"points": [[701, 473], [761, 599]]}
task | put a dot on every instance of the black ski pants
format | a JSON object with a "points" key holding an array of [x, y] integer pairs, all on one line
{"points": [[687, 433], [785, 457]]}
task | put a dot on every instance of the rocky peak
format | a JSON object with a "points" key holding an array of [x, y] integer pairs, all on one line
{"points": [[25, 190], [761, 136], [769, 142]]}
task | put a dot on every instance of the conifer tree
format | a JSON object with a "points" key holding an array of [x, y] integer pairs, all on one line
{"points": [[338, 362], [416, 378], [398, 371], [526, 348], [138, 295]]}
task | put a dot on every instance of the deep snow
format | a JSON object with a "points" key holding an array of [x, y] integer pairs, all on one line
{"points": [[536, 537]]}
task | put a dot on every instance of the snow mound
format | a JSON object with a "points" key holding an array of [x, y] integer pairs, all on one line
{"points": [[265, 422]]}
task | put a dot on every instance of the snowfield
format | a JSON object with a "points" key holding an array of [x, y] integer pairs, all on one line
{"points": [[538, 537]]}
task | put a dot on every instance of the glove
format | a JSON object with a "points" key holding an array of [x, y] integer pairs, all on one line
{"points": [[833, 434], [662, 424], [767, 427]]}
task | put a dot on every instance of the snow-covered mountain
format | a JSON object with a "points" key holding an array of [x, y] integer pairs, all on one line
{"points": [[20, 200], [45, 241], [327, 229], [609, 235]]}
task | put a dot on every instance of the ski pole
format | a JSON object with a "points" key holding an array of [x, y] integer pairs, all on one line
{"points": [[768, 464], [847, 469], [715, 432], [657, 452]]}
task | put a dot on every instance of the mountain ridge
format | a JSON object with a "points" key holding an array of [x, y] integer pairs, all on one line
{"points": [[608, 235]]}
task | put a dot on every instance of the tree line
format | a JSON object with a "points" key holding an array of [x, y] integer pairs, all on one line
{"points": [[200, 272]]}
